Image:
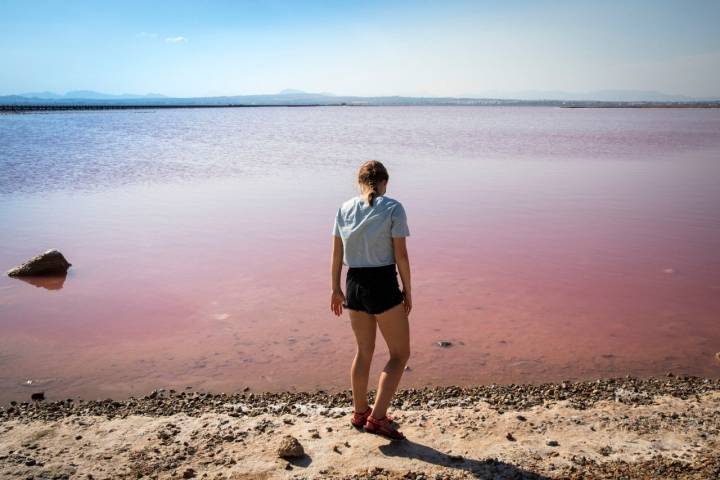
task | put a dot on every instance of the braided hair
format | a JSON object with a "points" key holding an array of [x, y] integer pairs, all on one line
{"points": [[371, 174]]}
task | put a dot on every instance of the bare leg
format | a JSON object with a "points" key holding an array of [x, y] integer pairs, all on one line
{"points": [[394, 327], [364, 326]]}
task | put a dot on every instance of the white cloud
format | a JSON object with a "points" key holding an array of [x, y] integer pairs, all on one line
{"points": [[147, 35], [176, 40]]}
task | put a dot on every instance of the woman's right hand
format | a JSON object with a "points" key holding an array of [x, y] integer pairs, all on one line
{"points": [[337, 299], [407, 300]]}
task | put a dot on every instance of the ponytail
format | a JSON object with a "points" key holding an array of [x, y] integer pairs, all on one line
{"points": [[371, 173], [373, 193]]}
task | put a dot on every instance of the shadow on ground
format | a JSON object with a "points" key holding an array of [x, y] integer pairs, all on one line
{"points": [[483, 469], [303, 461]]}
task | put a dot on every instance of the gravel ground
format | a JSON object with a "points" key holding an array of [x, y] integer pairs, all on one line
{"points": [[630, 428]]}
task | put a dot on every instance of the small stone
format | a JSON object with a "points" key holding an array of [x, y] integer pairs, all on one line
{"points": [[443, 343], [290, 447], [510, 437], [37, 396], [605, 451], [521, 418], [552, 443], [189, 473]]}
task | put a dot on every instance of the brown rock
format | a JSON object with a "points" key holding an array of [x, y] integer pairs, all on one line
{"points": [[50, 262], [290, 447]]}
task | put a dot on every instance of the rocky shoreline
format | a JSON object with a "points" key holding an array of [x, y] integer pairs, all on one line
{"points": [[666, 427], [580, 395]]}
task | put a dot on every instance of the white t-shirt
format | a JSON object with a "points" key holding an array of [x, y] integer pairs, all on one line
{"points": [[367, 231]]}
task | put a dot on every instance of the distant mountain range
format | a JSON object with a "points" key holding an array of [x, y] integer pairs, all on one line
{"points": [[85, 95], [299, 97]]}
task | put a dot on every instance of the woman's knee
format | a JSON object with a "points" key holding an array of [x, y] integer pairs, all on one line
{"points": [[365, 353], [400, 356]]}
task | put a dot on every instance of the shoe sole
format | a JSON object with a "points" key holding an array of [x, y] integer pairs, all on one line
{"points": [[374, 432]]}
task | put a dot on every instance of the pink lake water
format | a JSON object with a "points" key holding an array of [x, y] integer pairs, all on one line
{"points": [[546, 244]]}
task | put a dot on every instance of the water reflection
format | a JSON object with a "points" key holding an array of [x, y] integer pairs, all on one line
{"points": [[48, 282]]}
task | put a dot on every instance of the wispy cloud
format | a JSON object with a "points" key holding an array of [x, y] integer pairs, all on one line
{"points": [[176, 40], [147, 35]]}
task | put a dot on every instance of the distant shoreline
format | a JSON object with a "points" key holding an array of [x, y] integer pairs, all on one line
{"points": [[25, 108]]}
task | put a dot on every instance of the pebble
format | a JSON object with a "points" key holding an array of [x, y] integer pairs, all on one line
{"points": [[290, 447], [605, 451], [580, 395]]}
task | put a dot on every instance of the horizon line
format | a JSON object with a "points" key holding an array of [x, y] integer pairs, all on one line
{"points": [[490, 95]]}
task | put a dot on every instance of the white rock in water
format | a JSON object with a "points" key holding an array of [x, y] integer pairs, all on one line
{"points": [[51, 262]]}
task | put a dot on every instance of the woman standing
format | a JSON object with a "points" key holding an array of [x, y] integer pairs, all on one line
{"points": [[369, 237]]}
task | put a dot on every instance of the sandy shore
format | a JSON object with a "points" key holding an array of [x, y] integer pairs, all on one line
{"points": [[613, 428]]}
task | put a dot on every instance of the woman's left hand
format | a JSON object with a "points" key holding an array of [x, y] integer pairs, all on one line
{"points": [[337, 299], [407, 300]]}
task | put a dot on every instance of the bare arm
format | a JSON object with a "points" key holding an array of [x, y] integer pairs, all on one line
{"points": [[403, 262], [336, 263], [337, 297]]}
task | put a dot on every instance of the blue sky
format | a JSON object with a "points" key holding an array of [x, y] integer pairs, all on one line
{"points": [[185, 48]]}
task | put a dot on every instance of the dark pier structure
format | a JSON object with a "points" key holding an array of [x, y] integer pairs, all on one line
{"points": [[29, 107], [32, 107]]}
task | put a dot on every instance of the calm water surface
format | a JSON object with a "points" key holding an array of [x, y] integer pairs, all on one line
{"points": [[546, 244]]}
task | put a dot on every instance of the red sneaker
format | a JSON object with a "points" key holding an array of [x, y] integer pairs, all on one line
{"points": [[358, 419], [383, 426]]}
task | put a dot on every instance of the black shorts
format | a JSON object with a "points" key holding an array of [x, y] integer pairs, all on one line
{"points": [[372, 289]]}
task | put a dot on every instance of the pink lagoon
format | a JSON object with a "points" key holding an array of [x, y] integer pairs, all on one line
{"points": [[546, 244]]}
